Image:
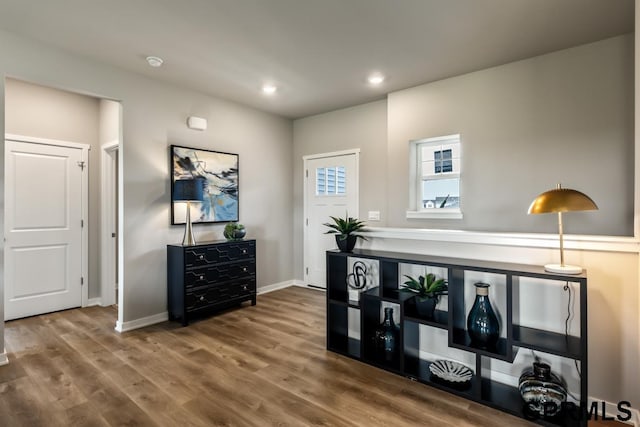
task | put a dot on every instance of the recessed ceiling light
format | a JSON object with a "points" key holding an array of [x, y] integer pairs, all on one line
{"points": [[269, 89], [376, 79], [154, 61]]}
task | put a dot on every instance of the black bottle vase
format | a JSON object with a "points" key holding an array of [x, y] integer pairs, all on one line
{"points": [[387, 337], [482, 322], [542, 391]]}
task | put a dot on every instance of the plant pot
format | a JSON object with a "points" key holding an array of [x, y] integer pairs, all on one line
{"points": [[234, 233], [426, 306], [346, 242]]}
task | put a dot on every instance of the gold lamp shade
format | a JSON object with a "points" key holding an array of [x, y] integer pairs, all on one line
{"points": [[561, 200]]}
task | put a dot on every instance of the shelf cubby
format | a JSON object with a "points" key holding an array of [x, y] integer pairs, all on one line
{"points": [[448, 327], [502, 350], [371, 306], [548, 342]]}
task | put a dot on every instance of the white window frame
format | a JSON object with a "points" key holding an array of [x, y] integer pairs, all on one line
{"points": [[416, 210]]}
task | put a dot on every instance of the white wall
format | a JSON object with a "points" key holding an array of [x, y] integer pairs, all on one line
{"points": [[562, 117], [154, 116], [45, 112]]}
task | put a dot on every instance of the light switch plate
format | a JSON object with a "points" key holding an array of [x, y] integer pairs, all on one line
{"points": [[374, 216]]}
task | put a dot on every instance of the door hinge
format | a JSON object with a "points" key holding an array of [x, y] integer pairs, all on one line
{"points": [[81, 164], [82, 223], [306, 173], [307, 221], [82, 280], [307, 271]]}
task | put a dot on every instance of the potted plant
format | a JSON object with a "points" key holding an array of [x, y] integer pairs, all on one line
{"points": [[234, 231], [344, 229], [428, 290]]}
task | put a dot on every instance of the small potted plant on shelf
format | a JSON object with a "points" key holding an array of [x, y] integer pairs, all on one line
{"points": [[428, 290], [344, 230], [234, 231]]}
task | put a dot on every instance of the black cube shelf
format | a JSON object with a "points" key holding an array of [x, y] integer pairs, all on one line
{"points": [[453, 320]]}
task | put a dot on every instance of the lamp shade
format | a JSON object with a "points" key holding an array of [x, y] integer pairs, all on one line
{"points": [[188, 190], [561, 200]]}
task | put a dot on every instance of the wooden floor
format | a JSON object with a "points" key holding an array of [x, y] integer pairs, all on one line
{"points": [[254, 366]]}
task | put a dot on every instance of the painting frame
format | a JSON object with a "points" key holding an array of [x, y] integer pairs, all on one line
{"points": [[220, 172]]}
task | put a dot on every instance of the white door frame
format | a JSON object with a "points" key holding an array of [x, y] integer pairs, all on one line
{"points": [[85, 201], [108, 261], [305, 234]]}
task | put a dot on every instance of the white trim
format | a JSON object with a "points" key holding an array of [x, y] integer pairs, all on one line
{"points": [[530, 240], [444, 213], [332, 154], [301, 284], [46, 141], [86, 224], [4, 359], [274, 287], [120, 261], [108, 221], [94, 301], [142, 322], [305, 197]]}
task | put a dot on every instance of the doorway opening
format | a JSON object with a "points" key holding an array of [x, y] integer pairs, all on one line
{"points": [[48, 116]]}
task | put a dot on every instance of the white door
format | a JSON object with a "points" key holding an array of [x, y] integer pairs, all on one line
{"points": [[43, 213], [331, 189]]}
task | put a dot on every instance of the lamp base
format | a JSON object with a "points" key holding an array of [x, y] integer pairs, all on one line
{"points": [[563, 269], [188, 239]]}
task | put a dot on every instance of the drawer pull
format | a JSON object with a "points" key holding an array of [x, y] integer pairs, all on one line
{"points": [[201, 277], [244, 287], [201, 298], [244, 269], [244, 251], [201, 257]]}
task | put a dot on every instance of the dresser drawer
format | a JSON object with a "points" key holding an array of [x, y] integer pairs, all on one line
{"points": [[201, 256], [202, 276], [209, 296]]}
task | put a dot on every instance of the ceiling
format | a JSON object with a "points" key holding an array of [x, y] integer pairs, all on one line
{"points": [[317, 52]]}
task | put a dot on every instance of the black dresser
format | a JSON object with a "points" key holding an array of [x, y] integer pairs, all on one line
{"points": [[209, 277]]}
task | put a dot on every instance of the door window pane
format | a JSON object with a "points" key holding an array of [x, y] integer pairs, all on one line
{"points": [[331, 181]]}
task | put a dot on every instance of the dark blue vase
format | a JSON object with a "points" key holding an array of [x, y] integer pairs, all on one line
{"points": [[387, 336], [482, 322]]}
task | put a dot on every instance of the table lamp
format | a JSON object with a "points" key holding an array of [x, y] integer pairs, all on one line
{"points": [[562, 200], [188, 190]]}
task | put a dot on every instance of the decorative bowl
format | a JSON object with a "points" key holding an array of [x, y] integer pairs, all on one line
{"points": [[450, 371]]}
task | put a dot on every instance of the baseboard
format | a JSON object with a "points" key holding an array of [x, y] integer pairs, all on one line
{"points": [[94, 301], [4, 360], [161, 317], [142, 322], [275, 287]]}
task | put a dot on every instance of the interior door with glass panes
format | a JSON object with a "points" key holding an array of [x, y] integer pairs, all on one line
{"points": [[331, 189]]}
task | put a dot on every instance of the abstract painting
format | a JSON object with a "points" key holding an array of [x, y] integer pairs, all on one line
{"points": [[219, 172]]}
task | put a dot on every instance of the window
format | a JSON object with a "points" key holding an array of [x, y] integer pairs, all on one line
{"points": [[435, 178], [330, 181]]}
